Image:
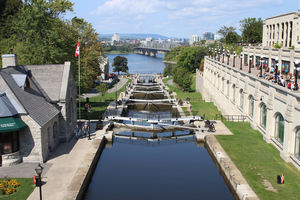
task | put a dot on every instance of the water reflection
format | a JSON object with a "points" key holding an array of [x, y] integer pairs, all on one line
{"points": [[166, 169]]}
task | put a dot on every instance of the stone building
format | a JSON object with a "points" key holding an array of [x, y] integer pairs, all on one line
{"points": [[43, 100], [104, 67], [270, 108]]}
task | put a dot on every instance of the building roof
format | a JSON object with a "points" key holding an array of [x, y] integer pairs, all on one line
{"points": [[6, 108], [50, 78], [282, 15], [34, 99]]}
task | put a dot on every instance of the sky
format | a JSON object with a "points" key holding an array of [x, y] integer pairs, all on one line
{"points": [[174, 18]]}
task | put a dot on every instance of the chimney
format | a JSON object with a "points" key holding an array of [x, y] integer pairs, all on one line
{"points": [[9, 60]]}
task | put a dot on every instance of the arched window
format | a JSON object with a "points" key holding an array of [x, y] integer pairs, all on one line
{"points": [[228, 88], [297, 145], [251, 106], [263, 115], [241, 99], [279, 128], [233, 93], [223, 85]]}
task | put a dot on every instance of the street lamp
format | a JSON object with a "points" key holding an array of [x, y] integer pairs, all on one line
{"points": [[219, 55], [38, 183], [241, 64], [234, 55], [276, 69], [223, 55], [215, 54], [250, 60], [228, 56], [89, 127], [296, 73]]}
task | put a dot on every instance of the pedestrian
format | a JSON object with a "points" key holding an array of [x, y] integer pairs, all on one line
{"points": [[85, 128], [77, 131]]}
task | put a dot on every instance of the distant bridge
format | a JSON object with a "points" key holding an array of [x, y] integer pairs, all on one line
{"points": [[150, 51]]}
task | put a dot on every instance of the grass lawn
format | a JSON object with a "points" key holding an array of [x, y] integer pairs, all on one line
{"points": [[199, 107], [99, 103], [23, 191], [186, 112], [259, 161]]}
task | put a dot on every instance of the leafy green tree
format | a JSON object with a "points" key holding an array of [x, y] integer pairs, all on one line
{"points": [[232, 38], [252, 30], [120, 64], [182, 77], [190, 57], [224, 30], [102, 88]]}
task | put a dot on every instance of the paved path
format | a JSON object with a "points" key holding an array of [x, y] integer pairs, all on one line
{"points": [[93, 92], [118, 86], [64, 162], [170, 82]]}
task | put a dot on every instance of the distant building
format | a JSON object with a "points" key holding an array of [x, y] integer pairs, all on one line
{"points": [[208, 36], [115, 38], [282, 29], [37, 109], [218, 37], [194, 39]]}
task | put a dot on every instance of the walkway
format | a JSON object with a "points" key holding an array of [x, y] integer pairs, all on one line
{"points": [[65, 162]]}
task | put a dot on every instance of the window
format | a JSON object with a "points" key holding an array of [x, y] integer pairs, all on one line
{"points": [[263, 115], [228, 88], [233, 93], [55, 130], [279, 128], [241, 99], [9, 142], [297, 145], [251, 106]]}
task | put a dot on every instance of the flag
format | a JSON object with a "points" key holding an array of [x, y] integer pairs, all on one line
{"points": [[77, 52]]}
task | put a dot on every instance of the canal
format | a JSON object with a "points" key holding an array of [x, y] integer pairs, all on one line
{"points": [[143, 165]]}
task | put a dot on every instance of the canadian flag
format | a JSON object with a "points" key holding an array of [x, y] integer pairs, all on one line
{"points": [[77, 52]]}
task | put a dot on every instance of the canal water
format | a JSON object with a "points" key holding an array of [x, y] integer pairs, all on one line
{"points": [[155, 165]]}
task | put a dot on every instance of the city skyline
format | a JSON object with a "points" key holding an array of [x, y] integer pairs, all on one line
{"points": [[165, 17]]}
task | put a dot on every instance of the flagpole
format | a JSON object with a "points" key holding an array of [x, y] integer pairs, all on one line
{"points": [[79, 85]]}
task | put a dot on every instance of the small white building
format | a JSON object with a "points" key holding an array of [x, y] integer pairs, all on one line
{"points": [[194, 39], [115, 38]]}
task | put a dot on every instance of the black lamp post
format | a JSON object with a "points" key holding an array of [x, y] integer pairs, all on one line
{"points": [[261, 65], [219, 55], [250, 59], [38, 183], [89, 127], [228, 56], [296, 73], [241, 64], [215, 54], [209, 52], [276, 69], [234, 55]]}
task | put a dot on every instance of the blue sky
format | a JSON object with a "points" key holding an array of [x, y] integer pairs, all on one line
{"points": [[174, 18]]}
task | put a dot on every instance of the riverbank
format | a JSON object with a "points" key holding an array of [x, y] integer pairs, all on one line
{"points": [[118, 52]]}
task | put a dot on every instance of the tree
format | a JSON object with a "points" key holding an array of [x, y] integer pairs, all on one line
{"points": [[102, 88], [120, 64], [190, 57], [232, 38], [252, 30], [182, 77], [224, 30]]}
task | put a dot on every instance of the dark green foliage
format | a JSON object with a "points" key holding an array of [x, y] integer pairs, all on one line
{"points": [[183, 78], [124, 48], [120, 64], [229, 35], [252, 30], [37, 34], [169, 70]]}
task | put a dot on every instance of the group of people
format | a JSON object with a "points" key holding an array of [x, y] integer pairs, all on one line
{"points": [[84, 130], [287, 81]]}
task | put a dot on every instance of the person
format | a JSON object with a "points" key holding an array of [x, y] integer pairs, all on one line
{"points": [[85, 128], [77, 131]]}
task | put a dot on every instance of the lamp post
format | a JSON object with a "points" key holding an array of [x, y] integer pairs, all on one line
{"points": [[234, 55], [215, 54], [209, 52], [89, 127], [261, 65], [39, 171], [241, 64], [276, 69], [219, 55], [228, 56], [250, 59], [296, 73]]}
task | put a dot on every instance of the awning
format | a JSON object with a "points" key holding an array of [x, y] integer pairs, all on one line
{"points": [[10, 124]]}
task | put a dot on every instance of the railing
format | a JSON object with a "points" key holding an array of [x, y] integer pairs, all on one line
{"points": [[233, 118]]}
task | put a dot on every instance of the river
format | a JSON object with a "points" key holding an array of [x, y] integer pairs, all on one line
{"points": [[160, 168], [140, 63]]}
